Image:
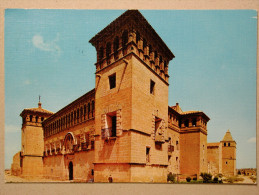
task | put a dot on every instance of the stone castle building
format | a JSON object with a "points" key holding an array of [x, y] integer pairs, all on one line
{"points": [[123, 128], [222, 156]]}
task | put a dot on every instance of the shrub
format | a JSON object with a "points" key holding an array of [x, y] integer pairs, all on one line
{"points": [[188, 179], [216, 179], [233, 179], [171, 177], [194, 179], [206, 177], [253, 178]]}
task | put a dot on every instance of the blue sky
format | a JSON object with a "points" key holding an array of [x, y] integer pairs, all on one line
{"points": [[47, 53]]}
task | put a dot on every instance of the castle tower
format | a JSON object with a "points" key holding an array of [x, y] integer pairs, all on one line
{"points": [[228, 155], [192, 127], [32, 141], [131, 101]]}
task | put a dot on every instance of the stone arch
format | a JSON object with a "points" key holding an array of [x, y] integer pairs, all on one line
{"points": [[125, 38], [69, 141]]}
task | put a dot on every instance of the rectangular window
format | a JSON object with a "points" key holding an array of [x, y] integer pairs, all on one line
{"points": [[147, 154], [114, 126], [109, 128], [152, 87], [112, 81]]}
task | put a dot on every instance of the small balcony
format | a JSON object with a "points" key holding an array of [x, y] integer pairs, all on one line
{"points": [[159, 138], [108, 133]]}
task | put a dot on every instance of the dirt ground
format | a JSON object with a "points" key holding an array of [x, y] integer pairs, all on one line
{"points": [[15, 179], [246, 180]]}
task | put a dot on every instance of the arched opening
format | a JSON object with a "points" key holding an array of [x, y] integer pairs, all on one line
{"points": [[88, 110], [137, 37], [124, 41], [70, 168], [93, 108], [108, 49], [116, 47], [144, 46], [69, 142], [101, 53], [194, 122], [186, 123], [84, 111], [124, 38], [150, 49]]}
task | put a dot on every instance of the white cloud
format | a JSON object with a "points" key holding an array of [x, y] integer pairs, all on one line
{"points": [[27, 82], [50, 46], [12, 128], [252, 140]]}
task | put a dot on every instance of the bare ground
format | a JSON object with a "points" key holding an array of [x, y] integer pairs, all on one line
{"points": [[16, 179]]}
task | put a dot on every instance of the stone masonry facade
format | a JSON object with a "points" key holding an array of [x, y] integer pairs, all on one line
{"points": [[123, 130]]}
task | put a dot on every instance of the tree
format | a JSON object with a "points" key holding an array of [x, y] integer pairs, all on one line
{"points": [[206, 177]]}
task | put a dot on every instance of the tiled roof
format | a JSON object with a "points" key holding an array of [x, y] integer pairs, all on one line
{"points": [[125, 17], [38, 110], [213, 144], [227, 137], [190, 112]]}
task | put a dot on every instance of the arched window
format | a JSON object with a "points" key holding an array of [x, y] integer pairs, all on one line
{"points": [[81, 111], [228, 144], [224, 144], [74, 116], [144, 44], [137, 37], [88, 112], [116, 46], [155, 54], [160, 59], [124, 38], [37, 118], [42, 119], [150, 49], [68, 143], [77, 115], [84, 110], [108, 49], [179, 123], [93, 108], [194, 122], [186, 123], [101, 53], [30, 118]]}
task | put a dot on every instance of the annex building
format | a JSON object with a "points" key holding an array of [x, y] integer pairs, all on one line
{"points": [[122, 129]]}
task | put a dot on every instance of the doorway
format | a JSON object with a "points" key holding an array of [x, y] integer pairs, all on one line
{"points": [[70, 168]]}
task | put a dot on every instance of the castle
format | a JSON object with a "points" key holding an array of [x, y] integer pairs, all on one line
{"points": [[122, 129]]}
